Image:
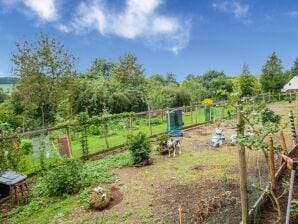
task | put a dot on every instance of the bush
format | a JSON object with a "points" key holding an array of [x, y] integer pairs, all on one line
{"points": [[139, 146], [94, 130], [64, 179], [27, 147]]}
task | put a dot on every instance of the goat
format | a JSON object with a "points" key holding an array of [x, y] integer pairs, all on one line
{"points": [[172, 145]]}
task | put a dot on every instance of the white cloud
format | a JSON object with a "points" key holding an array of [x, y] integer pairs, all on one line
{"points": [[64, 28], [46, 10], [239, 10], [139, 19], [292, 14]]}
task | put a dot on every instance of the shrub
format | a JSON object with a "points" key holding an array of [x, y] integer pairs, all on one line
{"points": [[94, 130], [27, 147], [64, 179], [139, 146]]}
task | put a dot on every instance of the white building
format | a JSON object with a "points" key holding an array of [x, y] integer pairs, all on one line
{"points": [[291, 86]]}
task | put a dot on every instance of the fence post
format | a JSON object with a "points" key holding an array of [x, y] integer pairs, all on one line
{"points": [[283, 142], [130, 121], [222, 111], [191, 120], [242, 167], [106, 132], [149, 117], [196, 113], [279, 97], [271, 163], [69, 139]]}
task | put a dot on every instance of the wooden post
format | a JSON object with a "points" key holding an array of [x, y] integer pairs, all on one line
{"points": [[106, 132], [130, 121], [191, 120], [290, 97], [180, 214], [283, 142], [242, 167], [196, 113], [271, 162], [149, 117], [168, 120], [279, 97], [222, 111], [69, 139], [210, 114]]}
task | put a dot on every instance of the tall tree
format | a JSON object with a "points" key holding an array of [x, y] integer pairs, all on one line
{"points": [[128, 71], [247, 82], [171, 78], [294, 69], [272, 77], [100, 68], [209, 75], [43, 69]]}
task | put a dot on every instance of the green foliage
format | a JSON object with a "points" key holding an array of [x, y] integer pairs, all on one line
{"points": [[94, 130], [246, 84], [65, 179], [268, 116], [128, 72], [44, 69], [27, 146], [272, 77], [294, 208], [11, 156], [140, 147], [82, 121]]}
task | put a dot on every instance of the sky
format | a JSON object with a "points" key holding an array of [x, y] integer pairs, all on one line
{"points": [[179, 36]]}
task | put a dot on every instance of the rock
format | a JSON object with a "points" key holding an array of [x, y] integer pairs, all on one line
{"points": [[99, 198]]}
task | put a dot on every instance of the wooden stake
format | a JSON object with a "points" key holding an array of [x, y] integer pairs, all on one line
{"points": [[149, 116], [222, 111], [242, 168], [271, 162], [196, 114], [180, 214], [191, 120], [69, 140], [106, 133], [283, 142]]}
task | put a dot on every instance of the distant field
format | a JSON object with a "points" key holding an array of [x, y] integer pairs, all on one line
{"points": [[6, 87]]}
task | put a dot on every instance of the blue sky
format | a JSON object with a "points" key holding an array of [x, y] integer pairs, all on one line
{"points": [[181, 36]]}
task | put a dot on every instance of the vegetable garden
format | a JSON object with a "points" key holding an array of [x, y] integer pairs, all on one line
{"points": [[202, 183]]}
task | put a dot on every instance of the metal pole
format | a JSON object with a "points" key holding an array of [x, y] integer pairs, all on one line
{"points": [[242, 167], [293, 173]]}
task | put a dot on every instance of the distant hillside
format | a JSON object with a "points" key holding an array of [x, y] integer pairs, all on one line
{"points": [[8, 80]]}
